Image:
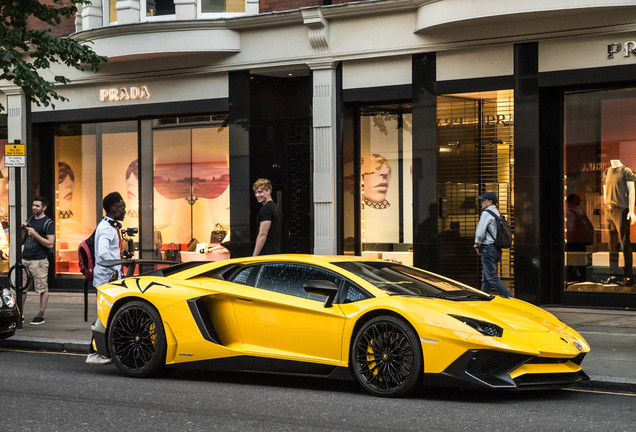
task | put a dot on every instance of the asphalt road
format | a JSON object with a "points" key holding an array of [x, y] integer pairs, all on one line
{"points": [[59, 392]]}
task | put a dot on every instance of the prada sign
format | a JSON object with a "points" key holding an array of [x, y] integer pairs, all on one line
{"points": [[124, 93], [627, 48]]}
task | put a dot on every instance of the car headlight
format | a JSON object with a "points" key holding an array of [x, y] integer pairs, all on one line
{"points": [[8, 298], [483, 327]]}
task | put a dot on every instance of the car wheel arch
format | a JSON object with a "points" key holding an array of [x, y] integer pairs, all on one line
{"points": [[124, 301], [373, 314]]}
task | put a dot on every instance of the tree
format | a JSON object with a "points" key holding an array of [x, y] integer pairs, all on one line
{"points": [[25, 52]]}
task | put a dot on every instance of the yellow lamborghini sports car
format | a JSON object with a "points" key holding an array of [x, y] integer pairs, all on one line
{"points": [[391, 327]]}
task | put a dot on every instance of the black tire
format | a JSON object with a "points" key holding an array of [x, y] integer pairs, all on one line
{"points": [[386, 357], [137, 340]]}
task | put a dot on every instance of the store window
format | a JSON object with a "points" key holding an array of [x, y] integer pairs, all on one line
{"points": [[599, 159], [191, 183], [386, 191], [92, 160], [475, 134], [190, 176]]}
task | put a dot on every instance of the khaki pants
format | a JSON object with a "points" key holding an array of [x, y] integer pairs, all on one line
{"points": [[40, 271]]}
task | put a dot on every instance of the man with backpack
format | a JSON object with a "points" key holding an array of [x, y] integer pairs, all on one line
{"points": [[38, 235], [485, 244], [107, 247]]}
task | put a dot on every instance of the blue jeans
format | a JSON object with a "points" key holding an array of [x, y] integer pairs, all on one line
{"points": [[490, 256]]}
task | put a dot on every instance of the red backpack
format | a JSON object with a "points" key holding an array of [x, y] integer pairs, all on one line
{"points": [[86, 257]]}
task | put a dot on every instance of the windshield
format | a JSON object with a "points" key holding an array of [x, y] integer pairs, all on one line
{"points": [[397, 279]]}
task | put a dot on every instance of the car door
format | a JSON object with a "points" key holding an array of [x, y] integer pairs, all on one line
{"points": [[278, 318]]}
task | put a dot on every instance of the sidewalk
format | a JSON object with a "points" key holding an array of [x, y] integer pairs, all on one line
{"points": [[611, 364]]}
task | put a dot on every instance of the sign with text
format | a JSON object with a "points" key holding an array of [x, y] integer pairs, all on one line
{"points": [[14, 155], [124, 93]]}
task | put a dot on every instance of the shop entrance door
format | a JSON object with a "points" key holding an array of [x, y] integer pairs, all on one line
{"points": [[280, 133]]}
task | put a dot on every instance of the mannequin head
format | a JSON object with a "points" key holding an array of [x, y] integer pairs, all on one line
{"points": [[132, 186], [376, 175], [65, 185]]}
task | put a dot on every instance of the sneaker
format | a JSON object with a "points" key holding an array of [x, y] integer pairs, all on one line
{"points": [[38, 320], [97, 359]]}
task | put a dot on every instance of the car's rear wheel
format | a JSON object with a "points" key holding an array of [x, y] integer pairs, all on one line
{"points": [[137, 340], [386, 357]]}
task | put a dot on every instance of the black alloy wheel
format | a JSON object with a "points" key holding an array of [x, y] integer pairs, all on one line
{"points": [[137, 340], [386, 357]]}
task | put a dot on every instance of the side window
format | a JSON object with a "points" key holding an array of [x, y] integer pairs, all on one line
{"points": [[290, 278], [351, 293], [246, 276]]}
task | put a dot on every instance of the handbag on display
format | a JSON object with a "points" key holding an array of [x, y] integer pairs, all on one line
{"points": [[218, 234], [192, 245], [173, 253]]}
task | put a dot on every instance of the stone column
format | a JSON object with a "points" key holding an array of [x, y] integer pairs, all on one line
{"points": [[17, 130], [91, 15], [185, 9], [128, 11], [325, 156]]}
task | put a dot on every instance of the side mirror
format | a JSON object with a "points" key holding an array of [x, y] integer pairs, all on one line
{"points": [[322, 288]]}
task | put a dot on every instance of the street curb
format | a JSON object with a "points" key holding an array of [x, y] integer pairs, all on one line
{"points": [[44, 344]]}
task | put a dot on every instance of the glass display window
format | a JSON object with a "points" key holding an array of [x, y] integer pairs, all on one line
{"points": [[191, 182], [475, 141], [598, 201], [78, 193], [386, 184]]}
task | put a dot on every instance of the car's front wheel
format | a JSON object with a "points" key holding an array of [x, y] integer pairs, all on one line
{"points": [[137, 340], [386, 357]]}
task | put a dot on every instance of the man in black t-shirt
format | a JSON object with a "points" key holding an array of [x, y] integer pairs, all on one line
{"points": [[39, 237], [269, 220]]}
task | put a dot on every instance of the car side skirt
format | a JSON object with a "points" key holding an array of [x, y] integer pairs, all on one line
{"points": [[273, 366]]}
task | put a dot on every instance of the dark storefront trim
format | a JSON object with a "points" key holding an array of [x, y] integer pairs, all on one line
{"points": [[377, 94], [131, 111]]}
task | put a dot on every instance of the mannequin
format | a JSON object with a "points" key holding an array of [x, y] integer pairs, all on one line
{"points": [[619, 197]]}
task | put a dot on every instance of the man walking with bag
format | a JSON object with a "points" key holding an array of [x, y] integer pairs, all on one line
{"points": [[490, 254], [39, 238]]}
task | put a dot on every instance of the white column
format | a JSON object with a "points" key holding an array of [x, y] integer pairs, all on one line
{"points": [[324, 143], [185, 9], [16, 130], [92, 15], [251, 7], [127, 11]]}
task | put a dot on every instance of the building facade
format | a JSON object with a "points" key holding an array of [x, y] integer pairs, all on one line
{"points": [[378, 122]]}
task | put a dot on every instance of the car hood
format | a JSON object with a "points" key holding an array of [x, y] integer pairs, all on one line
{"points": [[511, 313]]}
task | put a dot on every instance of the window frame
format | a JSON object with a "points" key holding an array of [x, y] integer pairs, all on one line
{"points": [[255, 278]]}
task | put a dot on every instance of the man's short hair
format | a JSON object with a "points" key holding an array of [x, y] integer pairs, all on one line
{"points": [[110, 200], [262, 183], [42, 199]]}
